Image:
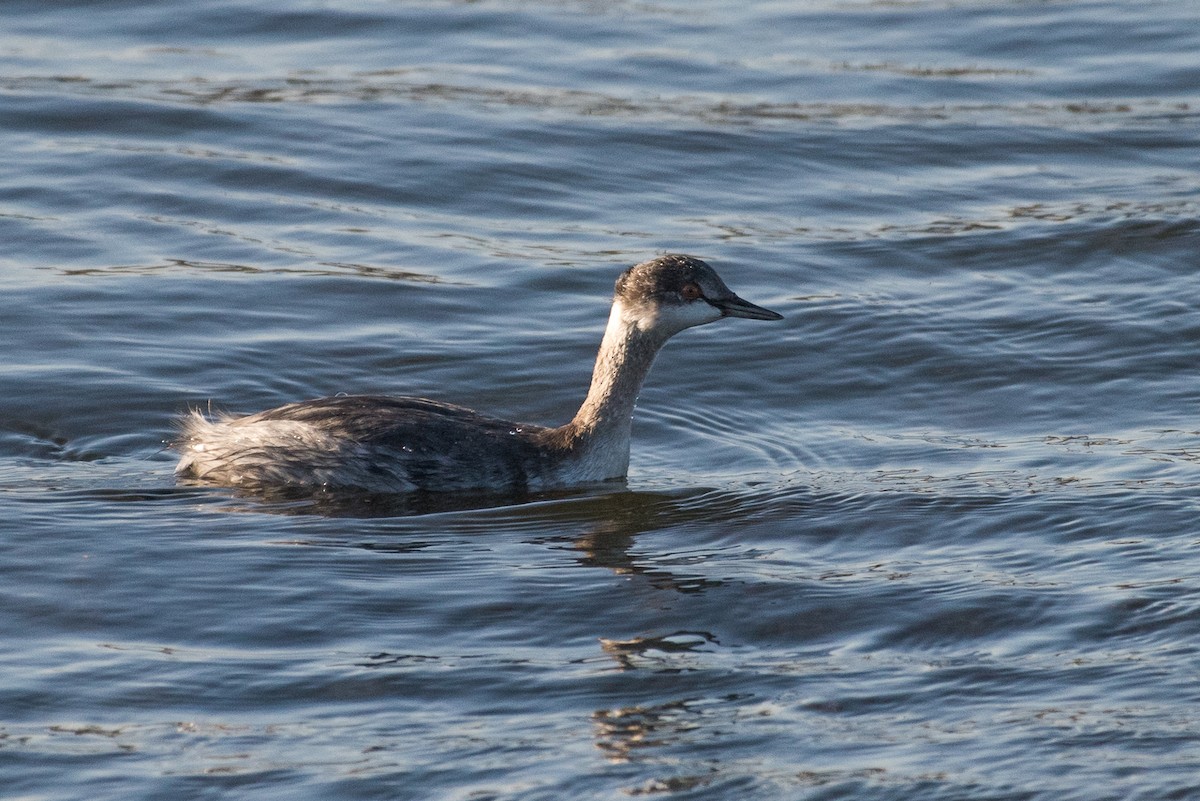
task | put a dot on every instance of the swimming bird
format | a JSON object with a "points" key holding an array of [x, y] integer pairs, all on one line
{"points": [[390, 444]]}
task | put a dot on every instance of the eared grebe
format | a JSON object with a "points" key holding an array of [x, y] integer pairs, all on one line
{"points": [[386, 444]]}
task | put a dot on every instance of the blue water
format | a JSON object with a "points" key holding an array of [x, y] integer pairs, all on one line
{"points": [[933, 536]]}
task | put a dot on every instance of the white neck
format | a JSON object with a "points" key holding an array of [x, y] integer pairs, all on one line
{"points": [[603, 423]]}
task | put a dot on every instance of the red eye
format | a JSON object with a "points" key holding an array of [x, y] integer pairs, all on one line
{"points": [[690, 292]]}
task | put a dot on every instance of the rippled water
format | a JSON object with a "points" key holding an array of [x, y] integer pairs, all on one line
{"points": [[931, 537]]}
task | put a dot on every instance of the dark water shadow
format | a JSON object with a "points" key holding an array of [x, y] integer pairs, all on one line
{"points": [[352, 504], [598, 524]]}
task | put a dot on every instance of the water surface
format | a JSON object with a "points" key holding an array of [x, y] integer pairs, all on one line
{"points": [[930, 537]]}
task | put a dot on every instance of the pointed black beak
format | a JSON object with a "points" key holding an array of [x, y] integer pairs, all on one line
{"points": [[733, 306]]}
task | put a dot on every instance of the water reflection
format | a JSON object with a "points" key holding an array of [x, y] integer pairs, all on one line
{"points": [[620, 733], [660, 653], [610, 539], [599, 524], [609, 547], [369, 505], [662, 735]]}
